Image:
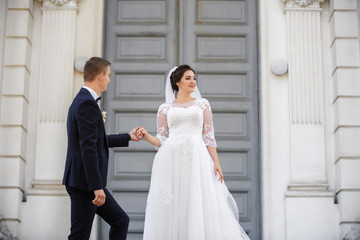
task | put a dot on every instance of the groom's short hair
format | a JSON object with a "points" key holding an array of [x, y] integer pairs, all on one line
{"points": [[93, 67]]}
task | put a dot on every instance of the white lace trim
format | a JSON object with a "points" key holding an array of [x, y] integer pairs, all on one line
{"points": [[209, 140]]}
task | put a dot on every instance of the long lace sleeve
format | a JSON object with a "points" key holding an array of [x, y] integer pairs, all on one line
{"points": [[161, 122], [208, 127]]}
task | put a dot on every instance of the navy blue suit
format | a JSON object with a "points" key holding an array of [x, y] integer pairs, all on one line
{"points": [[87, 166]]}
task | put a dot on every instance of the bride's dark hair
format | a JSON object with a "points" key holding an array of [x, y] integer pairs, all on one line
{"points": [[177, 75]]}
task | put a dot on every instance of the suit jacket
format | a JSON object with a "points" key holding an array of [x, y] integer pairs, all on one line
{"points": [[87, 156]]}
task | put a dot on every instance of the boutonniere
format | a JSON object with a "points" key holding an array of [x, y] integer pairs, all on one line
{"points": [[103, 114]]}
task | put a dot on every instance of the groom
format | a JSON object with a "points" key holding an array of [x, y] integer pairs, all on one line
{"points": [[87, 157]]}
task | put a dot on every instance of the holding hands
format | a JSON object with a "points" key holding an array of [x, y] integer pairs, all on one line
{"points": [[141, 132], [138, 133], [134, 134]]}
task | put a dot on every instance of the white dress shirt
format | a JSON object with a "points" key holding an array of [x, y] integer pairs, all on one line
{"points": [[92, 92]]}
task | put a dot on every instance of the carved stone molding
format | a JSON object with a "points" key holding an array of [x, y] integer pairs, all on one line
{"points": [[302, 4], [47, 188], [59, 4]]}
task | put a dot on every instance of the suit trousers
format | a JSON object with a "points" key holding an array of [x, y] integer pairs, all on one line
{"points": [[83, 213]]}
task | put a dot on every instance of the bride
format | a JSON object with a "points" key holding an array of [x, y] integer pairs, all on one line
{"points": [[188, 199]]}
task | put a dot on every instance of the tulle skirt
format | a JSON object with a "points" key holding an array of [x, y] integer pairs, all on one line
{"points": [[186, 201]]}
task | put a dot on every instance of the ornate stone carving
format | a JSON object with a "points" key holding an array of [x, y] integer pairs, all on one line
{"points": [[55, 4], [59, 2], [302, 3]]}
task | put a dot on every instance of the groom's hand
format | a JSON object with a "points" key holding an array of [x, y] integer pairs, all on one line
{"points": [[99, 197]]}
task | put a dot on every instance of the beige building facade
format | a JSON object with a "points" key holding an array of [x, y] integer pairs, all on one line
{"points": [[309, 123]]}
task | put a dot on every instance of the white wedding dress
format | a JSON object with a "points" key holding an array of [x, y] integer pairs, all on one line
{"points": [[186, 201]]}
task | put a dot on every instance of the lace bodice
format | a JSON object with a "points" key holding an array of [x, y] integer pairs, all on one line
{"points": [[192, 118]]}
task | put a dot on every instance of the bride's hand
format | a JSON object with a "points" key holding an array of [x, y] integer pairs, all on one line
{"points": [[218, 170], [141, 132]]}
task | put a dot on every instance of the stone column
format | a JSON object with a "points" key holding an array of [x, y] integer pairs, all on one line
{"points": [[307, 196], [55, 93]]}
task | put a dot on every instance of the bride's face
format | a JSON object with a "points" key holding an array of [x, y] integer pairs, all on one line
{"points": [[188, 82]]}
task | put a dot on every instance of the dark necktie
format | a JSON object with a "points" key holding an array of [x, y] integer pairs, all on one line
{"points": [[99, 98]]}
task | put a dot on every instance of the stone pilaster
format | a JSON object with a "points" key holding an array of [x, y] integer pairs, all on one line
{"points": [[308, 192], [16, 42], [306, 96], [345, 67], [55, 93]]}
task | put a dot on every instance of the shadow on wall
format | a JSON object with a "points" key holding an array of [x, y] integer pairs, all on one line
{"points": [[5, 234]]}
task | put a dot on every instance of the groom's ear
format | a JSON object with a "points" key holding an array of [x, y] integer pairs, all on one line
{"points": [[100, 76]]}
